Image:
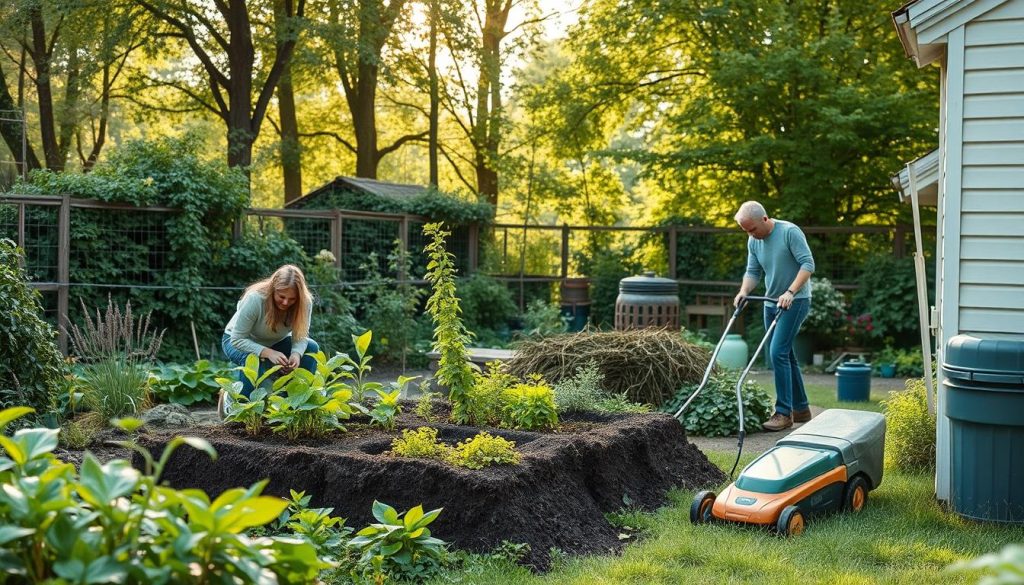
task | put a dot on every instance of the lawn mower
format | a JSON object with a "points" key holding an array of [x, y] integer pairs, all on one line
{"points": [[828, 464]]}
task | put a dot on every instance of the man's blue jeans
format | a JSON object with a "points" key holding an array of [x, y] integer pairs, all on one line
{"points": [[237, 357], [789, 384]]}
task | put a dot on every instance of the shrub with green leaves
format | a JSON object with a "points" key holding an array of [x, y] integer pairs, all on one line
{"points": [[425, 405], [421, 444], [620, 404], [32, 369], [387, 407], [399, 545], [111, 523], [187, 385], [389, 307], [529, 406], [484, 450], [543, 318], [714, 412], [450, 334], [825, 320], [909, 428], [582, 391], [484, 398], [487, 304]]}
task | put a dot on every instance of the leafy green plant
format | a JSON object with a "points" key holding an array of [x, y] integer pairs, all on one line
{"points": [[421, 444], [714, 412], [582, 391], [186, 385], [344, 367], [620, 403], [484, 450], [387, 408], [399, 545], [250, 410], [328, 534], [310, 404], [114, 387], [110, 523], [486, 303], [529, 406], [887, 290], [450, 334], [425, 405], [909, 362], [333, 322], [910, 428], [32, 369], [543, 318], [1001, 568], [484, 398], [390, 307]]}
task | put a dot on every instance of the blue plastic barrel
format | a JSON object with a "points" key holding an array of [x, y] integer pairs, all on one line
{"points": [[854, 382]]}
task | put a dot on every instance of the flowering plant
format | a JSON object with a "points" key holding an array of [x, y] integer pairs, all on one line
{"points": [[860, 330], [826, 318]]}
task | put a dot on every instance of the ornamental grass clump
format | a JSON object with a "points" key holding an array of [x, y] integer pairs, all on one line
{"points": [[909, 428], [649, 365]]}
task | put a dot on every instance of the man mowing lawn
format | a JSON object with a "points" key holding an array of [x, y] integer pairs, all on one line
{"points": [[778, 250]]}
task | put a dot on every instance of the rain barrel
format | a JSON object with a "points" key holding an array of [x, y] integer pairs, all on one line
{"points": [[734, 352], [854, 382], [576, 302], [984, 383]]}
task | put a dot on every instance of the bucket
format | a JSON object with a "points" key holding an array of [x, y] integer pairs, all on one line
{"points": [[733, 354], [854, 382]]}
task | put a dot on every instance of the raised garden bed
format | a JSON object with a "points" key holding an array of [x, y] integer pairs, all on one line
{"points": [[556, 497]]}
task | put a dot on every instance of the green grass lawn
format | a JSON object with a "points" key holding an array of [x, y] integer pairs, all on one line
{"points": [[904, 536], [825, 397]]}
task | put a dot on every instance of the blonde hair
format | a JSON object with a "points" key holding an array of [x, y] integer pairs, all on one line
{"points": [[297, 315]]}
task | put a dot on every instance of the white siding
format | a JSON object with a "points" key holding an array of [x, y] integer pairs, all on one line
{"points": [[991, 262]]}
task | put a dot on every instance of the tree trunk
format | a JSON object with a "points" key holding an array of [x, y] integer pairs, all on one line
{"points": [[434, 98], [364, 118], [41, 61], [291, 153], [101, 133], [13, 132], [72, 92], [240, 66]]}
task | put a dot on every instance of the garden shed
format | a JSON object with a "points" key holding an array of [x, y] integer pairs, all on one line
{"points": [[386, 213], [976, 176]]}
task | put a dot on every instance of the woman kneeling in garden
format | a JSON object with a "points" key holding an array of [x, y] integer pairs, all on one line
{"points": [[272, 322]]}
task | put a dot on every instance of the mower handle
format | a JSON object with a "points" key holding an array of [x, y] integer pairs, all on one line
{"points": [[743, 303]]}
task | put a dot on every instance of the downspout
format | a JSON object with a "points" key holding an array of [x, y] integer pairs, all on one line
{"points": [[922, 291]]}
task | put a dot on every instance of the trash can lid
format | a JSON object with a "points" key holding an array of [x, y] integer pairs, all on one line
{"points": [[648, 284], [985, 354]]}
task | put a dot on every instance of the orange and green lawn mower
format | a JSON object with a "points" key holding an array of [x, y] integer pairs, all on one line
{"points": [[828, 464]]}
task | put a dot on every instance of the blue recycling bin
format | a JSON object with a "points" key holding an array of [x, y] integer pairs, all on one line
{"points": [[854, 381]]}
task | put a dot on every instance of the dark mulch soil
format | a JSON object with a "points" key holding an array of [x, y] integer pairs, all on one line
{"points": [[556, 497]]}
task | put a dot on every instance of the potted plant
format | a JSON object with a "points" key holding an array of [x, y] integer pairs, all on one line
{"points": [[885, 362], [825, 320]]}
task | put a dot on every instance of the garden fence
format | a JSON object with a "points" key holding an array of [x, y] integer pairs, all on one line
{"points": [[118, 246]]}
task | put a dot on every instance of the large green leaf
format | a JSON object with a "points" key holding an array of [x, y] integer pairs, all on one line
{"points": [[100, 485], [253, 512], [384, 513], [10, 414], [28, 444], [362, 342]]}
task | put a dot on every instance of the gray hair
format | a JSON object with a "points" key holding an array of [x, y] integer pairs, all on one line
{"points": [[751, 210]]}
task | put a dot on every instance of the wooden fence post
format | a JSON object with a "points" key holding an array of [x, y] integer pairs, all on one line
{"points": [[565, 251], [672, 239], [899, 241], [474, 247], [403, 237], [336, 238], [63, 270]]}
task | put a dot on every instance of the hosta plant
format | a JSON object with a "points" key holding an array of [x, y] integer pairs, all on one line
{"points": [[315, 525], [387, 408], [311, 405], [184, 384], [529, 406], [248, 410], [399, 545], [111, 523]]}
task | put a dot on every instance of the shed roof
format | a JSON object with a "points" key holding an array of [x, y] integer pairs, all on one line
{"points": [[386, 190], [926, 175]]}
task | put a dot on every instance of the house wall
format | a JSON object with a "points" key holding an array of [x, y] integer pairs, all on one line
{"points": [[991, 248]]}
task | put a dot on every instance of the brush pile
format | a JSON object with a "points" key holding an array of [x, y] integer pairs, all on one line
{"points": [[649, 365]]}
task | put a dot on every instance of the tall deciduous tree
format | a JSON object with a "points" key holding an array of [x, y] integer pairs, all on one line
{"points": [[239, 77], [357, 36], [806, 105]]}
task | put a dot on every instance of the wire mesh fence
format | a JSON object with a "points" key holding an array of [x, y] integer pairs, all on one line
{"points": [[125, 253]]}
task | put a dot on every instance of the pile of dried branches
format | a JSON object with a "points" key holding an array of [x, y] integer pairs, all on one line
{"points": [[648, 364]]}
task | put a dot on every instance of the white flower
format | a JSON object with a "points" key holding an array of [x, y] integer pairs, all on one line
{"points": [[325, 256]]}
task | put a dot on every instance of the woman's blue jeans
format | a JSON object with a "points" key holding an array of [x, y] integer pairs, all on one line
{"points": [[237, 357], [790, 394]]}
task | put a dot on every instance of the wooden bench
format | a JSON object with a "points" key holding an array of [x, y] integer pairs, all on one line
{"points": [[712, 304], [477, 355]]}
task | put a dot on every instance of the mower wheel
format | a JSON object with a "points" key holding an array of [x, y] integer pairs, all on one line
{"points": [[791, 522], [700, 509], [855, 497]]}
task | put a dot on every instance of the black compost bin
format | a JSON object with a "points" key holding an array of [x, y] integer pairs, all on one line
{"points": [[984, 380]]}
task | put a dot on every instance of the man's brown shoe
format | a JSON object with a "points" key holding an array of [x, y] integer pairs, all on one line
{"points": [[801, 416], [777, 422]]}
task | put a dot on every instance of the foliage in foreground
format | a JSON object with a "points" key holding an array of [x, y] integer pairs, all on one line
{"points": [[909, 428], [186, 385], [110, 523], [714, 413], [32, 369]]}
